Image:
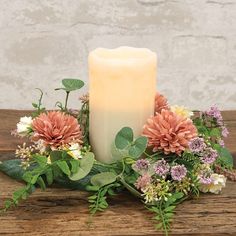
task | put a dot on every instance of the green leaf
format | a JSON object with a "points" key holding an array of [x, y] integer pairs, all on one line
{"points": [[169, 208], [103, 179], [55, 155], [203, 130], [74, 166], [41, 160], [35, 105], [17, 194], [177, 195], [118, 154], [71, 85], [138, 147], [86, 164], [49, 176], [64, 167], [12, 168], [27, 177], [124, 138], [226, 157], [215, 132], [41, 183], [56, 171], [159, 226], [173, 198], [34, 179]]}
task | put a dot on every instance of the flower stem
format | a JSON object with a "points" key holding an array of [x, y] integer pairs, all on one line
{"points": [[67, 96]]}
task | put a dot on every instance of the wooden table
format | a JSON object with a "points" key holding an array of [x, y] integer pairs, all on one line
{"points": [[64, 212]]}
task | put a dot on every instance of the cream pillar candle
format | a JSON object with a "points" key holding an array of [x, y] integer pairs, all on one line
{"points": [[122, 93]]}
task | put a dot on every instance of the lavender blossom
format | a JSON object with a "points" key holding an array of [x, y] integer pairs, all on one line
{"points": [[214, 112], [142, 164], [224, 132], [209, 156], [197, 145], [178, 172], [161, 168]]}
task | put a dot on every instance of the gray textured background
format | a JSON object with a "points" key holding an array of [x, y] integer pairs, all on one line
{"points": [[44, 41]]}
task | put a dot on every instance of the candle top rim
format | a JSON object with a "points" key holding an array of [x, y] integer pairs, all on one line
{"points": [[123, 53]]}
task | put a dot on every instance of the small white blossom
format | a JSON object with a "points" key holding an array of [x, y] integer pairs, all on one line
{"points": [[216, 184], [24, 125], [75, 151], [40, 145], [181, 111]]}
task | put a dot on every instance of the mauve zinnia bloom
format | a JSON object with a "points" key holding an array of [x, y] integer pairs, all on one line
{"points": [[160, 103], [169, 132], [56, 128]]}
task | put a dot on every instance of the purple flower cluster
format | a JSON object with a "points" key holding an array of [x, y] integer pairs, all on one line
{"points": [[142, 164], [214, 112], [161, 168], [209, 156], [178, 172], [197, 145]]}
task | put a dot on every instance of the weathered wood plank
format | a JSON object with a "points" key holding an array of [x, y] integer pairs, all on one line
{"points": [[63, 212]]}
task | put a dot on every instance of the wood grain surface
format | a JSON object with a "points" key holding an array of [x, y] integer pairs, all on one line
{"points": [[59, 211]]}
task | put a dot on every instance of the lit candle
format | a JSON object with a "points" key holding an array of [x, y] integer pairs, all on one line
{"points": [[122, 93]]}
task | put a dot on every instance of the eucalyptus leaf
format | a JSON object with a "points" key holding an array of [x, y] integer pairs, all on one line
{"points": [[103, 179], [118, 154], [12, 168], [74, 166], [138, 147], [86, 165], [72, 84], [83, 183], [124, 138]]}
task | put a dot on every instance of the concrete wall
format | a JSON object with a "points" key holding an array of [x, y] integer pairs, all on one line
{"points": [[47, 40]]}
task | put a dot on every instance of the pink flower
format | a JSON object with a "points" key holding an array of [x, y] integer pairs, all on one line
{"points": [[56, 128], [160, 103], [142, 181], [169, 132]]}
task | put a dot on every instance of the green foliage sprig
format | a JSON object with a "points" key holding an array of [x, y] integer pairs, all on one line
{"points": [[69, 86], [45, 170], [164, 211], [98, 201], [38, 105]]}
